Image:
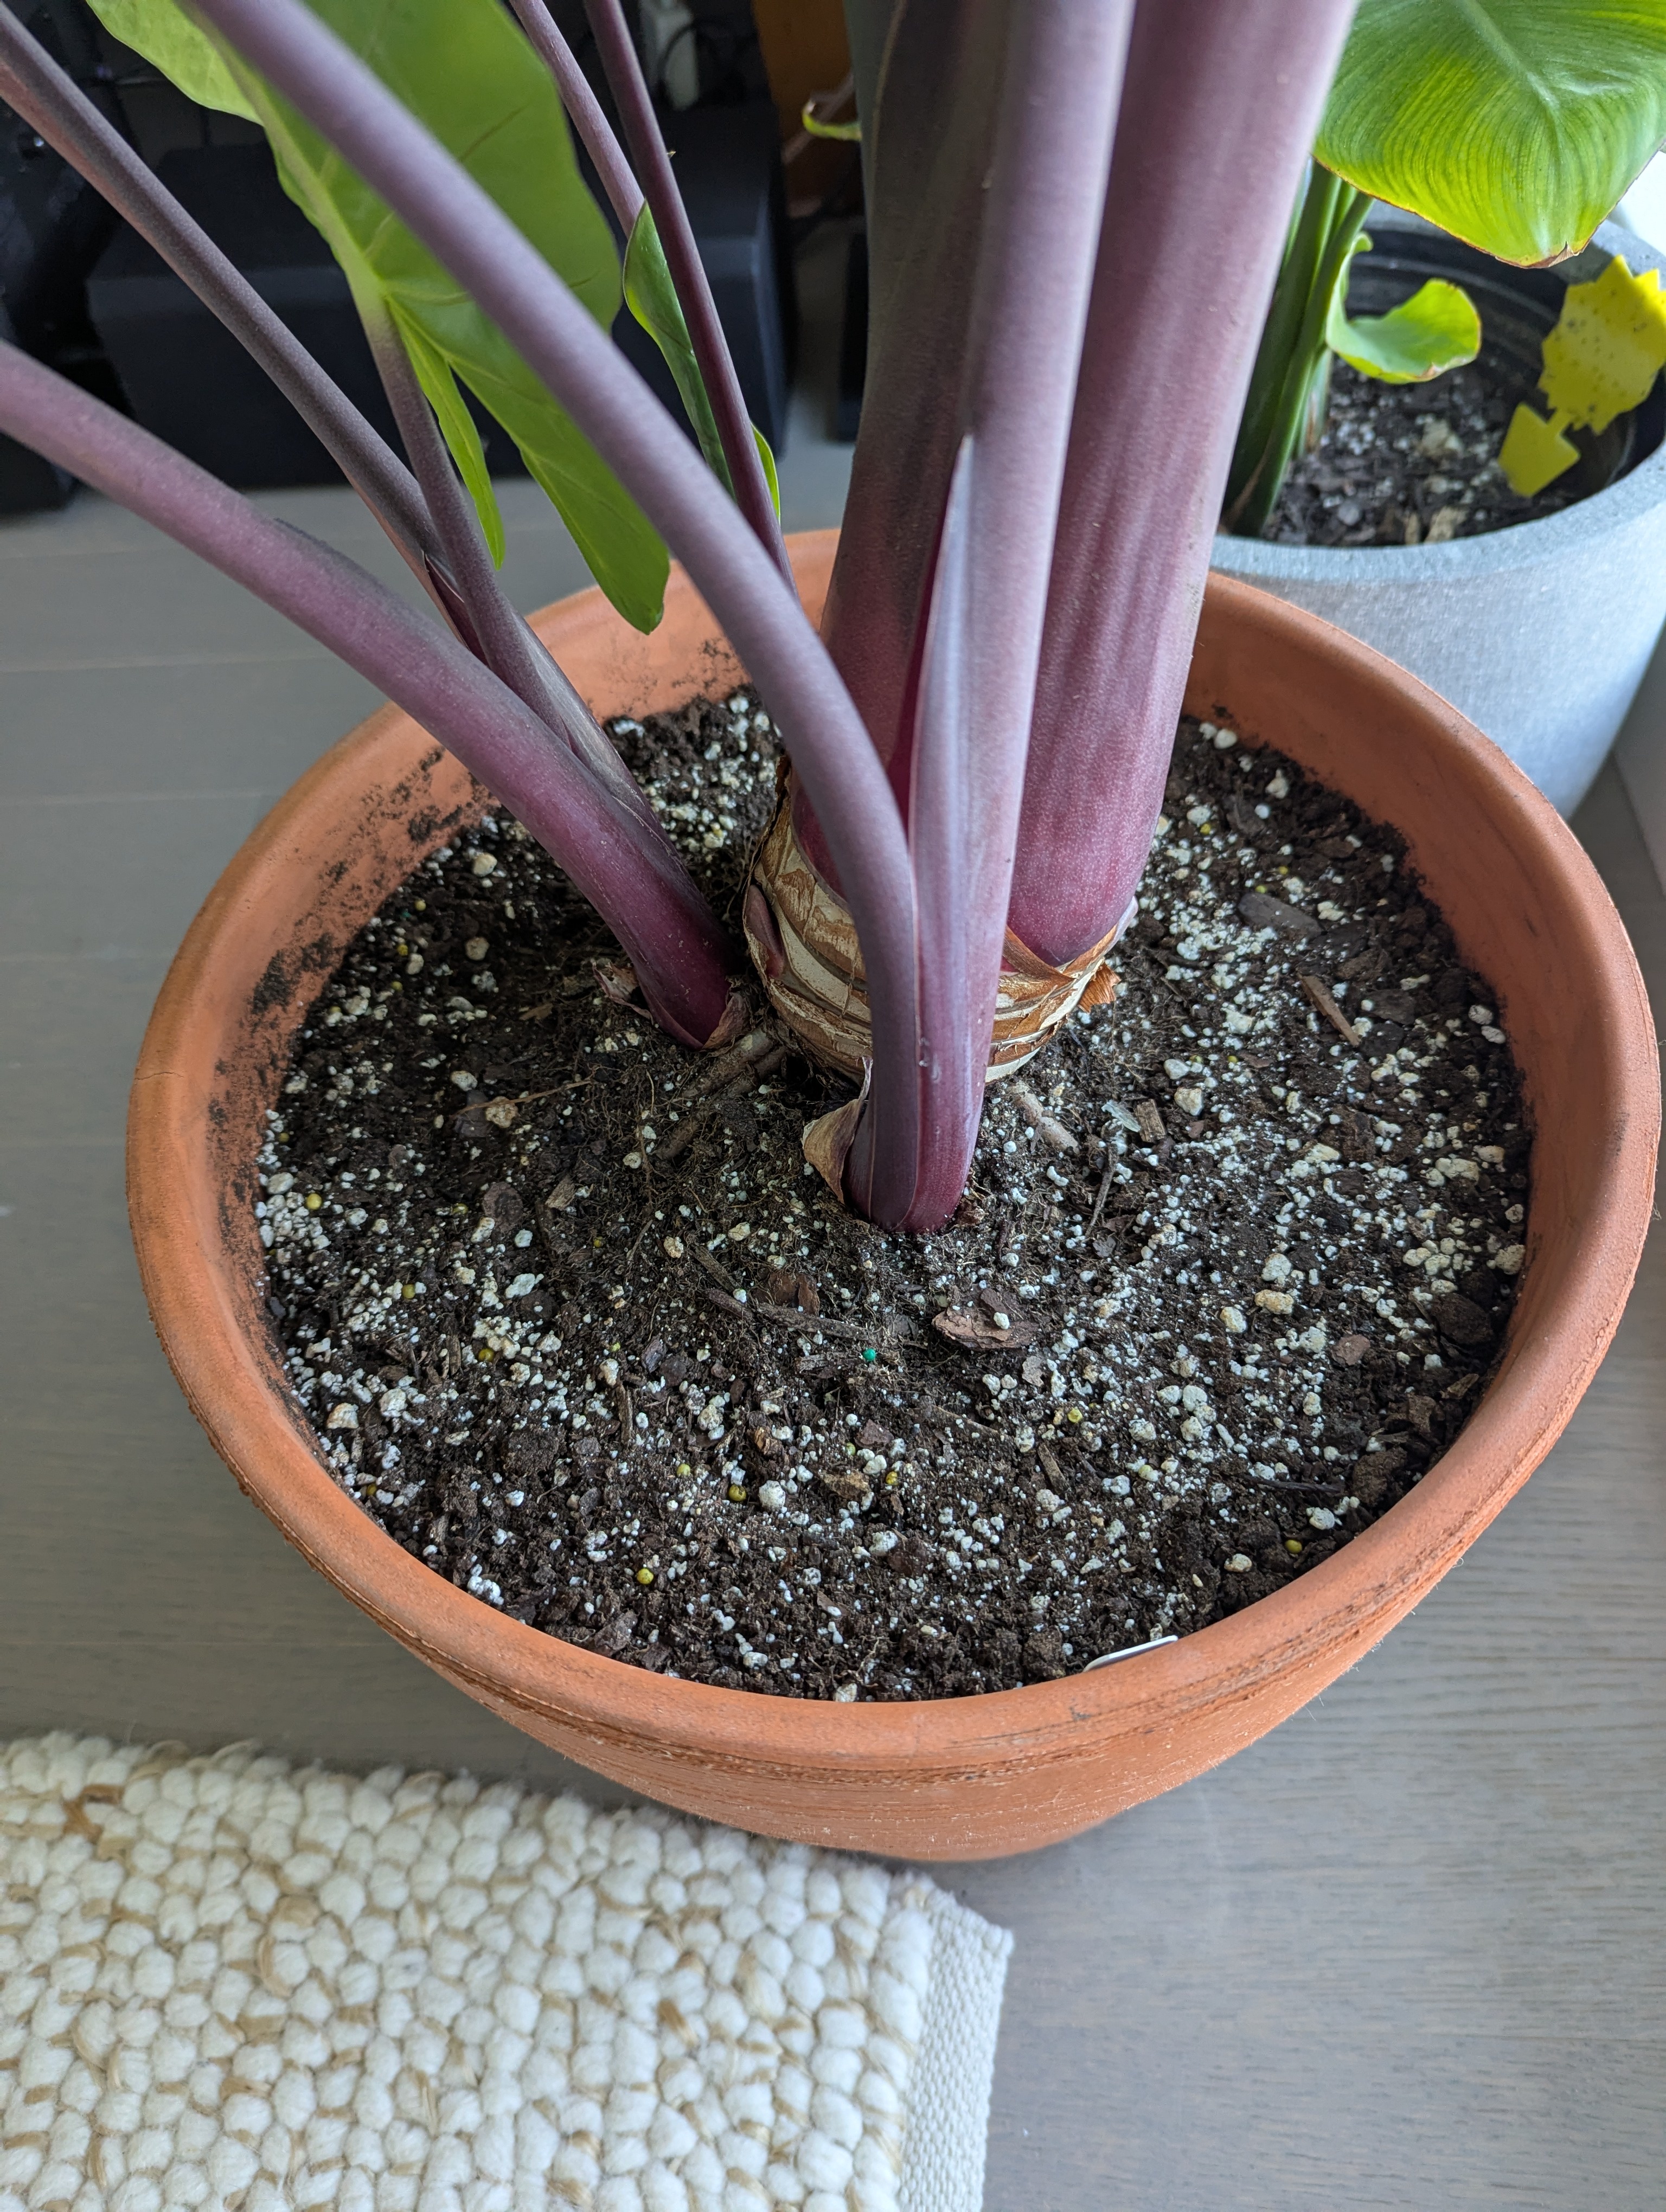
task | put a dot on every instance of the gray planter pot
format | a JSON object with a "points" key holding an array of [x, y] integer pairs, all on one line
{"points": [[1541, 633]]}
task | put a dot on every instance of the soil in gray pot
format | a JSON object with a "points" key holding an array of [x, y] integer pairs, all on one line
{"points": [[1410, 465], [573, 1322]]}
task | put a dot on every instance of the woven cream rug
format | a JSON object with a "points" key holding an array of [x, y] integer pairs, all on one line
{"points": [[230, 1982]]}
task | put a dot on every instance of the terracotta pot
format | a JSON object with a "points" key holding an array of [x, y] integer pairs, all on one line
{"points": [[960, 1777]]}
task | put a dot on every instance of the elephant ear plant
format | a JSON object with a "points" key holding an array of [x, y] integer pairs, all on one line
{"points": [[1077, 211], [1515, 124]]}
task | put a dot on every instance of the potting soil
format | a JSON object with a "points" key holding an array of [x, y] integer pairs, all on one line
{"points": [[573, 1320], [1409, 464]]}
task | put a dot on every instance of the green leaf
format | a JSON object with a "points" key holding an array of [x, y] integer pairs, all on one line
{"points": [[1437, 329], [463, 68], [849, 132], [457, 426], [622, 551], [1515, 123], [770, 475], [167, 37], [652, 298]]}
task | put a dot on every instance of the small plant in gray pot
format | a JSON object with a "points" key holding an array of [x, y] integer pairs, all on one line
{"points": [[1493, 140]]}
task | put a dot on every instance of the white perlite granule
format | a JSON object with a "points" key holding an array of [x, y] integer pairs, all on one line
{"points": [[226, 1982]]}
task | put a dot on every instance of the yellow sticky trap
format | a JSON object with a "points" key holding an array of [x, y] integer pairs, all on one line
{"points": [[1607, 348], [1534, 453]]}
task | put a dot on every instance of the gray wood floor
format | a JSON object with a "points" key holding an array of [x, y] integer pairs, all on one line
{"points": [[1406, 1953]]}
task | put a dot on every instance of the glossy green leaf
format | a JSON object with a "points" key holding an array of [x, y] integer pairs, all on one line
{"points": [[465, 70], [185, 54], [652, 298], [1517, 124], [770, 477], [1437, 329], [457, 426]]}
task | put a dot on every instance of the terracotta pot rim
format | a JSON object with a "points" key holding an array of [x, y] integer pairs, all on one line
{"points": [[605, 1701]]}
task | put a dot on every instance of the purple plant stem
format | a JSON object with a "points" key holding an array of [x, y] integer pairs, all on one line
{"points": [[680, 952], [746, 591], [1219, 109], [928, 123], [497, 632], [943, 826], [688, 273], [1061, 71], [52, 105], [867, 29], [584, 111]]}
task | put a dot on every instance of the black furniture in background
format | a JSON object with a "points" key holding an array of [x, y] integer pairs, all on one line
{"points": [[188, 381], [52, 226], [185, 376], [728, 169]]}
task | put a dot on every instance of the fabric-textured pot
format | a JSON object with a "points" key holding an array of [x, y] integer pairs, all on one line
{"points": [[1539, 634], [958, 1777]]}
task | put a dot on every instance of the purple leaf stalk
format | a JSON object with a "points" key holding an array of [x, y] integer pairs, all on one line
{"points": [[631, 93], [1076, 208], [630, 875], [1033, 644], [55, 107], [1221, 105]]}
